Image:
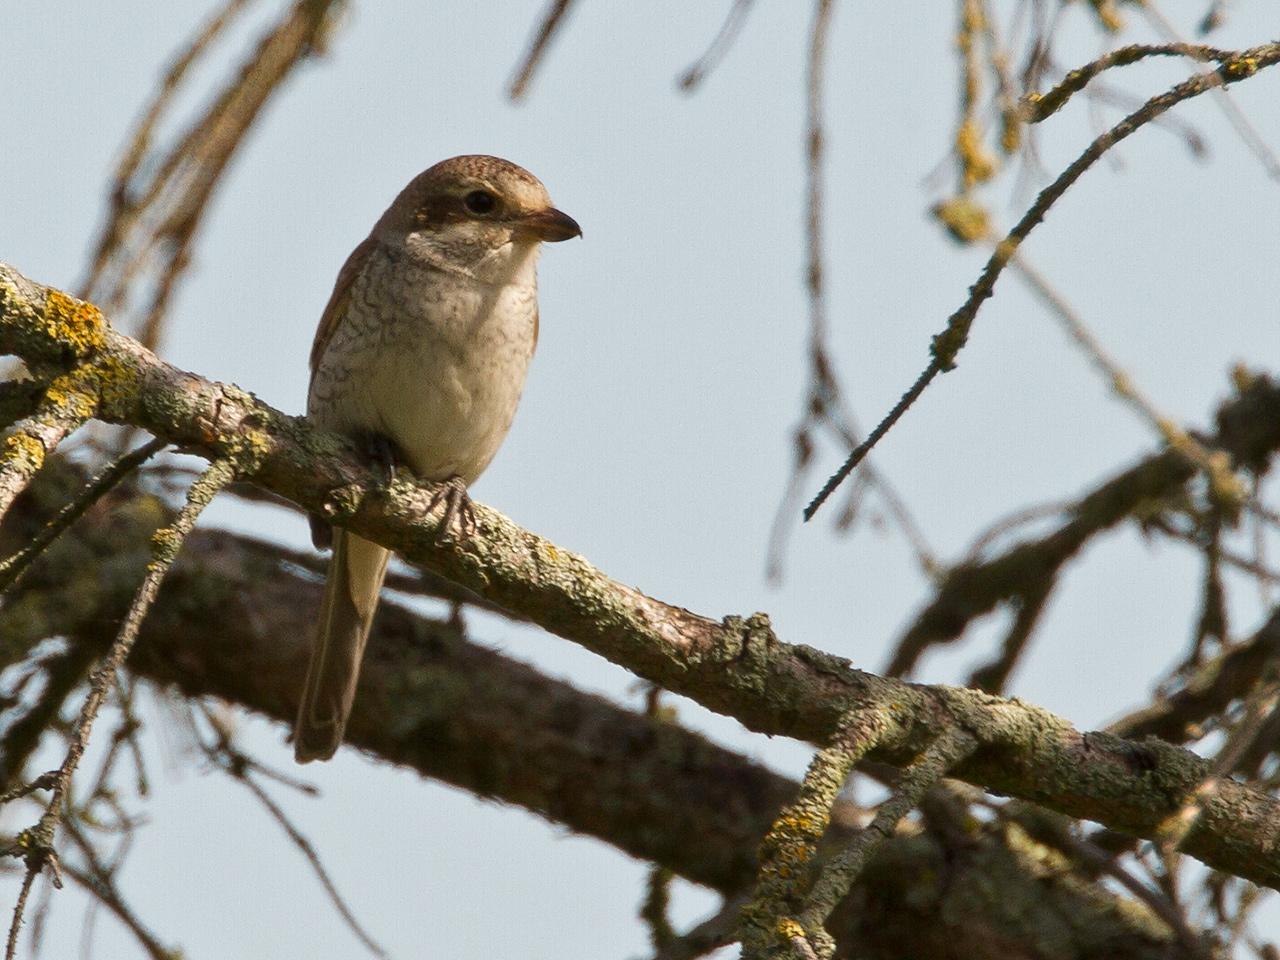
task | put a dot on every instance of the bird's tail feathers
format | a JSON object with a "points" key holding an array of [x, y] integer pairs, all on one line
{"points": [[356, 572]]}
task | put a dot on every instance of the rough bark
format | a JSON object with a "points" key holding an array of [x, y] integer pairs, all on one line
{"points": [[735, 665], [233, 621]]}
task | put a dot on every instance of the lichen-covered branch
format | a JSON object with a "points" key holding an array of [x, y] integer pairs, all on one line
{"points": [[789, 851], [67, 403], [35, 845], [12, 568], [734, 665], [233, 621]]}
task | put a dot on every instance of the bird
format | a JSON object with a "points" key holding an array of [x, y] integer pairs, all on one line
{"points": [[420, 358]]}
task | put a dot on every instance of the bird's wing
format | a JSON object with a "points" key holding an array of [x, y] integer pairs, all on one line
{"points": [[337, 300]]}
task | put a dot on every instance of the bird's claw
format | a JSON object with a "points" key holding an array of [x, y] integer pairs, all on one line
{"points": [[457, 509], [383, 454]]}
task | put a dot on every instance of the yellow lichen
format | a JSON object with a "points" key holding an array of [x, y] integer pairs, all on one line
{"points": [[73, 323], [1241, 67], [789, 929], [116, 381], [23, 448], [964, 218], [74, 394], [796, 824], [978, 163]]}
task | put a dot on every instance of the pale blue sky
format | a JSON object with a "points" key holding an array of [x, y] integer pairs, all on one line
{"points": [[654, 434]]}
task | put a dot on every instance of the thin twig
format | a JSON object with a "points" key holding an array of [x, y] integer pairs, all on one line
{"points": [[123, 213], [1040, 106], [552, 20], [839, 873], [238, 765], [948, 344], [701, 68], [35, 844], [98, 880], [11, 570], [1216, 467], [62, 672], [993, 675], [711, 934], [11, 946], [161, 195], [1242, 125]]}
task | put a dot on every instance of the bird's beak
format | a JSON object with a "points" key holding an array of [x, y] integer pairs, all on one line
{"points": [[550, 225]]}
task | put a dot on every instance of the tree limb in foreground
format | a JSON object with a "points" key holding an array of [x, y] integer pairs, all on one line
{"points": [[735, 666], [233, 621]]}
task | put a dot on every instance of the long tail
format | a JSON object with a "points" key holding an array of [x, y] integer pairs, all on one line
{"points": [[350, 599]]}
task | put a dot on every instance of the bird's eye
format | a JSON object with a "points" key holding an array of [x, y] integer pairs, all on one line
{"points": [[480, 201]]}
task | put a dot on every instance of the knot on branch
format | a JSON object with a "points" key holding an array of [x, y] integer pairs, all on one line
{"points": [[34, 847], [747, 639], [343, 501]]}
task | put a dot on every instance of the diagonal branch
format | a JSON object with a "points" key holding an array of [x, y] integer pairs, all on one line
{"points": [[946, 346], [35, 845], [234, 622], [734, 666]]}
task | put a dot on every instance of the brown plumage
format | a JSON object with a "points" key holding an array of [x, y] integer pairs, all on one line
{"points": [[424, 344]]}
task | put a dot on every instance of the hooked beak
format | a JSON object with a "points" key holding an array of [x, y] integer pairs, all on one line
{"points": [[550, 225]]}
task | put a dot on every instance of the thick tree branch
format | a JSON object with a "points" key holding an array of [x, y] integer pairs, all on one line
{"points": [[735, 666], [233, 621]]}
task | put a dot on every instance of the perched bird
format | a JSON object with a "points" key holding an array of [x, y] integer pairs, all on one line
{"points": [[421, 356]]}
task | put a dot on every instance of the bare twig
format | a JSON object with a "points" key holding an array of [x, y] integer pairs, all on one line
{"points": [[825, 406], [1028, 606], [99, 881], [711, 934], [1040, 106], [62, 674], [160, 196], [35, 845], [840, 872], [11, 570], [227, 757], [701, 68], [1225, 486], [551, 22], [1242, 125], [948, 344], [122, 211]]}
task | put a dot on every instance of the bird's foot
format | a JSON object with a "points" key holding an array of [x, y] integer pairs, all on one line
{"points": [[457, 509], [383, 454]]}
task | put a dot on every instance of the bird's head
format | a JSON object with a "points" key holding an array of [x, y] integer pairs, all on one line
{"points": [[479, 213]]}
